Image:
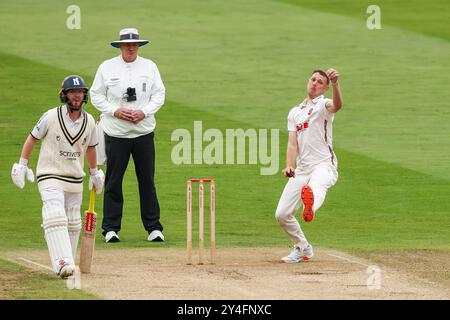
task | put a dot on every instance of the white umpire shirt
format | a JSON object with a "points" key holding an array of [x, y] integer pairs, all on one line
{"points": [[111, 81]]}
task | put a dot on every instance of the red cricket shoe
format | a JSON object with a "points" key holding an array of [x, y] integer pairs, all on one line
{"points": [[308, 202]]}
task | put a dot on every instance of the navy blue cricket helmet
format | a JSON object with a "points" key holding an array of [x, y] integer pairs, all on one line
{"points": [[73, 82]]}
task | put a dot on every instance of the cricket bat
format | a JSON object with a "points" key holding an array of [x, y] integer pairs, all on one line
{"points": [[88, 236]]}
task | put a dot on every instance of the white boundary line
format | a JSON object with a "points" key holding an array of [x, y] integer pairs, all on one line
{"points": [[348, 260], [35, 263]]}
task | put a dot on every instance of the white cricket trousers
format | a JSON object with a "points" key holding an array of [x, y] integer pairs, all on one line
{"points": [[320, 179], [61, 220]]}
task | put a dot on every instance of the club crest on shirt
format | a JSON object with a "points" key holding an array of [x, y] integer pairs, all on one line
{"points": [[58, 138]]}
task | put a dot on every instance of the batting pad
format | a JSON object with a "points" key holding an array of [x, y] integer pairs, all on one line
{"points": [[54, 222], [74, 227]]}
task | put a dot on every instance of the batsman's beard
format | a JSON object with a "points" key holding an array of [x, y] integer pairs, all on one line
{"points": [[74, 105]]}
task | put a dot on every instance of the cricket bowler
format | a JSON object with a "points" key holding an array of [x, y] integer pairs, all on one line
{"points": [[310, 152]]}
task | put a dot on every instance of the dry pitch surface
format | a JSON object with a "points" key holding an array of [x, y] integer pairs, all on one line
{"points": [[256, 273]]}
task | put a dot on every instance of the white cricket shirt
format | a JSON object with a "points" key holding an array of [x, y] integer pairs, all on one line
{"points": [[64, 145], [313, 124]]}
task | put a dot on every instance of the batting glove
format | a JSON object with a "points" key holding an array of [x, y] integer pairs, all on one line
{"points": [[97, 179], [19, 171]]}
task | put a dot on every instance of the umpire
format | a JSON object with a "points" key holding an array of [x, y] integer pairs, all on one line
{"points": [[128, 90]]}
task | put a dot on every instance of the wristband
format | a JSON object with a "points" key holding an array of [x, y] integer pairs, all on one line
{"points": [[93, 171], [23, 161]]}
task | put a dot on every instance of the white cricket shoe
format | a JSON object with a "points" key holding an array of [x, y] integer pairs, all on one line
{"points": [[298, 254], [155, 236], [308, 253], [66, 271], [111, 236]]}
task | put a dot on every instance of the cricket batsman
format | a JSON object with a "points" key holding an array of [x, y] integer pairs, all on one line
{"points": [[311, 164], [68, 134]]}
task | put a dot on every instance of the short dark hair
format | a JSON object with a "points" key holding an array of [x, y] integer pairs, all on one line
{"points": [[322, 73]]}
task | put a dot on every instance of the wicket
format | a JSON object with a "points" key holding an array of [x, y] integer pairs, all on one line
{"points": [[201, 242]]}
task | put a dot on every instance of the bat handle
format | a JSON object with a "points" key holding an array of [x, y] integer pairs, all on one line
{"points": [[92, 200]]}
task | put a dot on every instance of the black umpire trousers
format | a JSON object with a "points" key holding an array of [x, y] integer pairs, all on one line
{"points": [[118, 151]]}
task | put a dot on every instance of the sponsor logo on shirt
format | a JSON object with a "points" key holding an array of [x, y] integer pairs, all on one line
{"points": [[302, 126], [69, 155]]}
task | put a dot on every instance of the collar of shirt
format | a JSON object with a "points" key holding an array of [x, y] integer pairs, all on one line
{"points": [[129, 64], [314, 101], [68, 119]]}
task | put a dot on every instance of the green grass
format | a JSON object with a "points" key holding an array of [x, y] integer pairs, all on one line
{"points": [[379, 206], [244, 64], [427, 17], [19, 283]]}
